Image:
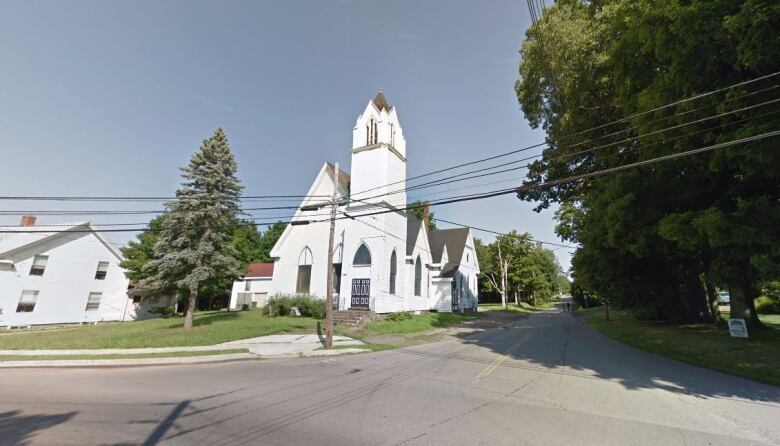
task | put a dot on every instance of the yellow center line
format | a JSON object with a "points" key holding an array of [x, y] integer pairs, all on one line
{"points": [[494, 365]]}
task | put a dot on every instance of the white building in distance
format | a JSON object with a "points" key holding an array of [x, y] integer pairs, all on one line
{"points": [[59, 274], [385, 259], [252, 289]]}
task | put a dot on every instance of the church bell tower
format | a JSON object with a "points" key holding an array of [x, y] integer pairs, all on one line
{"points": [[378, 155]]}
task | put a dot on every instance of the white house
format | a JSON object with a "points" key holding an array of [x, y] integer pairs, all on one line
{"points": [[385, 262], [59, 274], [253, 288]]}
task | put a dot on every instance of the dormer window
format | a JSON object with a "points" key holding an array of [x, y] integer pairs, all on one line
{"points": [[371, 132]]}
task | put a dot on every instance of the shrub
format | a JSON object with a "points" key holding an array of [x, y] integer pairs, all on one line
{"points": [[398, 316], [162, 311], [647, 314], [281, 305], [765, 305]]}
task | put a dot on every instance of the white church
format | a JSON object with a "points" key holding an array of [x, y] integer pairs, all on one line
{"points": [[385, 262]]}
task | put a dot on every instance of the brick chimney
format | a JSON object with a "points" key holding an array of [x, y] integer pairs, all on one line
{"points": [[28, 220], [426, 214]]}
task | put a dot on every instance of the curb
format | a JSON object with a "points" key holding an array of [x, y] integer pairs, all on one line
{"points": [[127, 362], [140, 362]]}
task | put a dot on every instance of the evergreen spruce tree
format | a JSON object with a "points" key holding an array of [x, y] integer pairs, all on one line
{"points": [[194, 245]]}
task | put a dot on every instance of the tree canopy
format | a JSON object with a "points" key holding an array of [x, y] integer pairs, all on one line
{"points": [[533, 271], [597, 77], [193, 249]]}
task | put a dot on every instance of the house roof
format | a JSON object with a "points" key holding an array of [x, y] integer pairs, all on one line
{"points": [[259, 270], [19, 237], [455, 241], [381, 103]]}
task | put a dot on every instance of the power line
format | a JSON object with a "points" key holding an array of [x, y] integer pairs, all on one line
{"points": [[259, 197], [497, 193], [512, 152], [454, 178], [506, 234], [491, 194], [515, 190]]}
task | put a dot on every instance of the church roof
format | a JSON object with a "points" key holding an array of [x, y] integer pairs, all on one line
{"points": [[455, 241], [413, 225], [381, 103], [344, 178]]}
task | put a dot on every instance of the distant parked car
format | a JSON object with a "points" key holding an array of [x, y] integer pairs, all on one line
{"points": [[723, 297]]}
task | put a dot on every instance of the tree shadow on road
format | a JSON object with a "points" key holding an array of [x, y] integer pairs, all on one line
{"points": [[558, 343], [18, 429]]}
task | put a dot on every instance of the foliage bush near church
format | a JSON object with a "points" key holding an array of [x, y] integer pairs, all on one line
{"points": [[281, 305], [399, 316]]}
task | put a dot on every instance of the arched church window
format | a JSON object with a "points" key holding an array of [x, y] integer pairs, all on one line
{"points": [[336, 270], [372, 132], [393, 270], [305, 260], [417, 277], [362, 255]]}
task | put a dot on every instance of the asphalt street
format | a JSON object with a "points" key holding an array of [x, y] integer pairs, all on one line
{"points": [[546, 379]]}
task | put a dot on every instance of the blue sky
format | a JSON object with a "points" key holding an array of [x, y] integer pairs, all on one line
{"points": [[110, 98]]}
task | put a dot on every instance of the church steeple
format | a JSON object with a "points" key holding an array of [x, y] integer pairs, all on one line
{"points": [[379, 151], [380, 102]]}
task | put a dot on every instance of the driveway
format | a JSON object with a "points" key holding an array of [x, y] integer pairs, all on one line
{"points": [[544, 379]]}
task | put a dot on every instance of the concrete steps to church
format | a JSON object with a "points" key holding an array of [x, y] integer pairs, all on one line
{"points": [[352, 317]]}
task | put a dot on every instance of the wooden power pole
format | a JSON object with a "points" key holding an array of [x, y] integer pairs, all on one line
{"points": [[329, 300]]}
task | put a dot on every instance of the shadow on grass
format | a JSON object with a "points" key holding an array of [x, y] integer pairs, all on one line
{"points": [[16, 428], [209, 319]]}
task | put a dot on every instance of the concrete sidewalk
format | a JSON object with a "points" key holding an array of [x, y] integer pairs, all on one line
{"points": [[274, 346]]}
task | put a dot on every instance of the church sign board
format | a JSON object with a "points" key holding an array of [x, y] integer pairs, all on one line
{"points": [[738, 328], [361, 289]]}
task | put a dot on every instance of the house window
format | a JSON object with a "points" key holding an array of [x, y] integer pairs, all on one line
{"points": [[93, 301], [39, 266], [417, 277], [27, 301], [303, 283], [102, 269], [393, 260], [362, 255]]}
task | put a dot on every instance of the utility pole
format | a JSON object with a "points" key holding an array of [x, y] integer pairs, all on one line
{"points": [[334, 205]]}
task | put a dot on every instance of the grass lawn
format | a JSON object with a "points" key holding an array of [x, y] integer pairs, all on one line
{"points": [[212, 327], [704, 345], [512, 308], [383, 335], [129, 356]]}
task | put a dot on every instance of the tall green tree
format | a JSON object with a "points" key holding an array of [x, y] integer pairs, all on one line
{"points": [[417, 209], [662, 237], [194, 245], [513, 265], [268, 240], [139, 252]]}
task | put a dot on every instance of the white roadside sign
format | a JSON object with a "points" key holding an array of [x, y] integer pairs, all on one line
{"points": [[738, 328]]}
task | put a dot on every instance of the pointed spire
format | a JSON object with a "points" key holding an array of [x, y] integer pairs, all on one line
{"points": [[381, 102]]}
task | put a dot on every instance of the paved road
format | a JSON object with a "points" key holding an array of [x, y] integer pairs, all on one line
{"points": [[546, 379]]}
